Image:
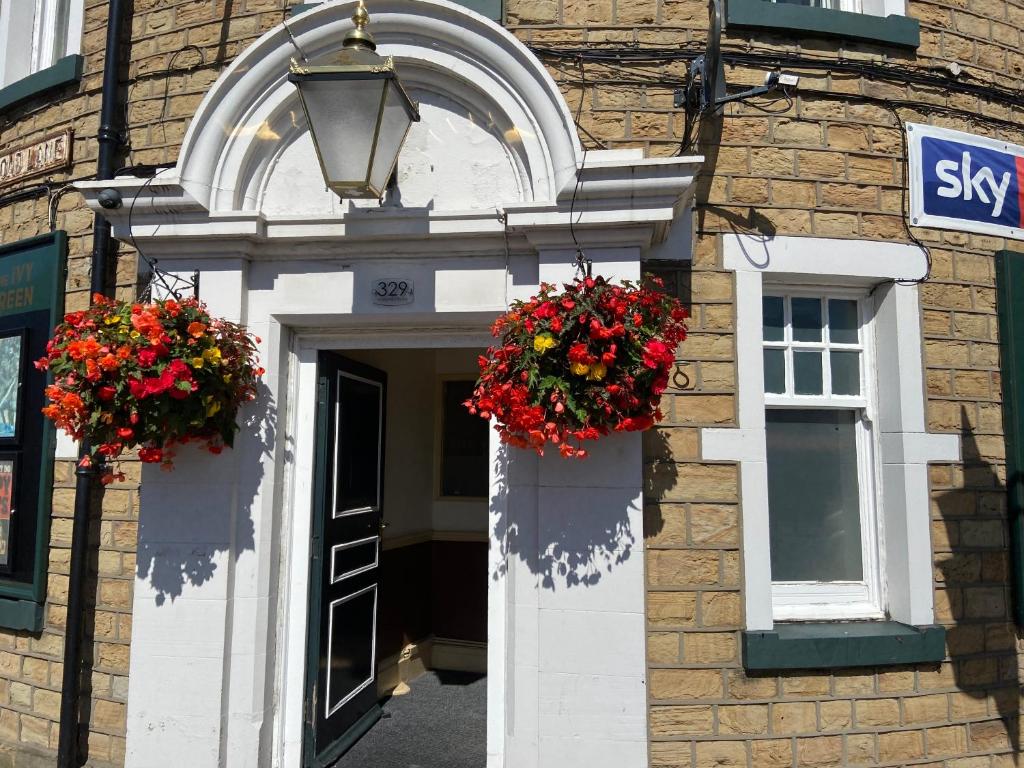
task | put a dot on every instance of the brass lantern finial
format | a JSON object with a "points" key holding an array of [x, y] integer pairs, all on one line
{"points": [[359, 37]]}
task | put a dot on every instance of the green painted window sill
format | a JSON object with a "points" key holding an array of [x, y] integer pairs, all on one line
{"points": [[21, 614], [848, 644], [492, 9], [66, 71], [900, 31]]}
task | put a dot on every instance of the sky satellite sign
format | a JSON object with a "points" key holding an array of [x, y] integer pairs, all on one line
{"points": [[966, 182]]}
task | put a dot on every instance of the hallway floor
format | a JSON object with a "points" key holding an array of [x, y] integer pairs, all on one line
{"points": [[441, 723]]}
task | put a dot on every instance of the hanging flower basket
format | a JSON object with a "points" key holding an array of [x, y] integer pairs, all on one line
{"points": [[578, 364], [151, 376]]}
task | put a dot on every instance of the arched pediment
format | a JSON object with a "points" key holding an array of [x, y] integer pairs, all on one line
{"points": [[495, 130]]}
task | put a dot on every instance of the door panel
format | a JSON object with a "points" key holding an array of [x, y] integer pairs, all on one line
{"points": [[342, 659]]}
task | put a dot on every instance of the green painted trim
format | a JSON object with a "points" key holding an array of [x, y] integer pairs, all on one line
{"points": [[16, 593], [1010, 308], [900, 31], [66, 71], [21, 614], [316, 552], [492, 9], [849, 644], [354, 734]]}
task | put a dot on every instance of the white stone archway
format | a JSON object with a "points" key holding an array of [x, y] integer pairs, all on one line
{"points": [[488, 182]]}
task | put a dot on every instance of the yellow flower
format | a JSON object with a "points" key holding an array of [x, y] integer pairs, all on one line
{"points": [[197, 362], [227, 378], [212, 355], [134, 334], [112, 319], [212, 408], [542, 342], [597, 372], [580, 369]]}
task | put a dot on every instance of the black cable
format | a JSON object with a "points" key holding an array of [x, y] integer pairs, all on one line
{"points": [[907, 74], [579, 171]]}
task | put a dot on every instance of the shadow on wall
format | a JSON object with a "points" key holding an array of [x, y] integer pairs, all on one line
{"points": [[983, 643], [584, 531], [179, 543]]}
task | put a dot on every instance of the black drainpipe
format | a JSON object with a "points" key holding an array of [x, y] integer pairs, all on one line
{"points": [[110, 133]]}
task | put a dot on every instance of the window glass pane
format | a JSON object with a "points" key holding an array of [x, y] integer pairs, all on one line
{"points": [[807, 372], [842, 321], [845, 373], [772, 318], [775, 370], [806, 319], [357, 459], [813, 495], [464, 440]]}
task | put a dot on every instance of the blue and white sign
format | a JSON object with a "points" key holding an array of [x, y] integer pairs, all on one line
{"points": [[966, 182]]}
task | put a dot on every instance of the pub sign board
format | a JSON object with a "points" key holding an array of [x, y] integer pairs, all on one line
{"points": [[50, 153], [32, 276], [965, 182]]}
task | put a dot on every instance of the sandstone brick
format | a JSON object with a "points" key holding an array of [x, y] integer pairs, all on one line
{"points": [[35, 731], [772, 753], [709, 647], [797, 132], [721, 754], [860, 749], [925, 709], [946, 741], [820, 751], [835, 715], [821, 164], [901, 745], [681, 721], [663, 648], [877, 713], [794, 718], [682, 567], [671, 609], [793, 193], [805, 685], [743, 719], [720, 609], [686, 684]]}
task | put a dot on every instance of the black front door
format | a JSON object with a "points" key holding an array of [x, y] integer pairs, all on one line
{"points": [[341, 679]]}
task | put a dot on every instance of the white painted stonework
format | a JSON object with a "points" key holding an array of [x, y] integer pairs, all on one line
{"points": [[486, 184], [904, 445]]}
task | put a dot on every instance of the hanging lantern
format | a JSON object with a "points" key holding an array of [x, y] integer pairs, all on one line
{"points": [[358, 113]]}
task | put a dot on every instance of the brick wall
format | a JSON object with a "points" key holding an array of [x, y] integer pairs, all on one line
{"points": [[829, 164], [177, 50]]}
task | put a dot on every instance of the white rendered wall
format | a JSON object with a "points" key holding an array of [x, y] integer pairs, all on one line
{"points": [[218, 662]]}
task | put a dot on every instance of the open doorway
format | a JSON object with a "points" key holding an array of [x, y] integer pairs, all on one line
{"points": [[398, 635]]}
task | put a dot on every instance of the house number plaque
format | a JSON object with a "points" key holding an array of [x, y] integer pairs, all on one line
{"points": [[392, 290]]}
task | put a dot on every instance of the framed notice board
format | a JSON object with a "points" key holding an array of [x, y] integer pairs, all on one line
{"points": [[32, 275]]}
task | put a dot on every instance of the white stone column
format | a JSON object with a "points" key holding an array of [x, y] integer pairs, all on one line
{"points": [[202, 611], [567, 663]]}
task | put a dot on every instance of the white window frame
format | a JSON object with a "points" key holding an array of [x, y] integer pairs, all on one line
{"points": [[807, 601], [870, 7], [29, 35], [904, 445]]}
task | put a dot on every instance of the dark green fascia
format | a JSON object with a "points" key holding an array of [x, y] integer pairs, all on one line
{"points": [[836, 645], [21, 614], [66, 71], [1010, 308], [901, 31], [492, 9]]}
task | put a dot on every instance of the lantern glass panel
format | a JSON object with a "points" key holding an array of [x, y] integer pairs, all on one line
{"points": [[394, 124], [343, 117]]}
